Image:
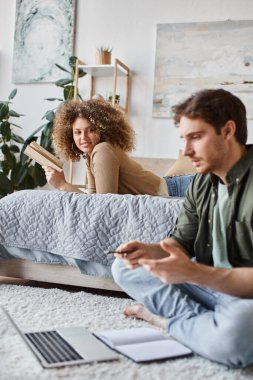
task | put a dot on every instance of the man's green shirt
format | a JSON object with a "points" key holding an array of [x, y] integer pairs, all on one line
{"points": [[194, 227]]}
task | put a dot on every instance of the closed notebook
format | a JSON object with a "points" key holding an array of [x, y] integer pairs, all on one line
{"points": [[143, 344], [42, 156]]}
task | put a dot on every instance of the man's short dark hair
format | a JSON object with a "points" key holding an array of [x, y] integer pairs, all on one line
{"points": [[215, 107]]}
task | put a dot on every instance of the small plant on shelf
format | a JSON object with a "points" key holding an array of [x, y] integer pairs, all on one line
{"points": [[117, 98], [102, 48], [104, 55]]}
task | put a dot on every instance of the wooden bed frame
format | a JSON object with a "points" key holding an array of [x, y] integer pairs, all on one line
{"points": [[54, 273], [69, 275]]}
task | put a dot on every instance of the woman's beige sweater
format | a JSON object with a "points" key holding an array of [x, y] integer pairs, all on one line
{"points": [[111, 170]]}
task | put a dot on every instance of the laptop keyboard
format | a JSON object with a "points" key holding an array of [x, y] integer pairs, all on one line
{"points": [[53, 347]]}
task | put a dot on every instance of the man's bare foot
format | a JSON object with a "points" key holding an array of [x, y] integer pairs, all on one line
{"points": [[140, 312]]}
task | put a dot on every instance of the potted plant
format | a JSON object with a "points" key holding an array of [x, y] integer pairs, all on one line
{"points": [[103, 55], [117, 98], [15, 174], [17, 170]]}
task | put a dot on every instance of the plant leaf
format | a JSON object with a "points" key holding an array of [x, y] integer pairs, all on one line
{"points": [[17, 138], [63, 82], [23, 157], [47, 131], [15, 114], [5, 184], [27, 183], [46, 142], [4, 167], [62, 68], [72, 60], [12, 94], [11, 159], [4, 111], [14, 148], [18, 174], [5, 130], [53, 99], [81, 73], [68, 92], [5, 149], [50, 115], [15, 125]]}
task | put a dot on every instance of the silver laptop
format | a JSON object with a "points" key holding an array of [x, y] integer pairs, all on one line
{"points": [[64, 346]]}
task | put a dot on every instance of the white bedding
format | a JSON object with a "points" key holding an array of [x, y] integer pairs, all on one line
{"points": [[83, 227]]}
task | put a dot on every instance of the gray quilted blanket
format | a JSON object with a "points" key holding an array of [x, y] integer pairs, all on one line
{"points": [[84, 226]]}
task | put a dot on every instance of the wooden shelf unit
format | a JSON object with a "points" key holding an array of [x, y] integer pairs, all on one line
{"points": [[114, 70]]}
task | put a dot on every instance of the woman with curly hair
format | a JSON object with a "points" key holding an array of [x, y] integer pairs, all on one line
{"points": [[101, 134]]}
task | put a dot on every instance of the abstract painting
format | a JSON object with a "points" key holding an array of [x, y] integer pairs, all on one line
{"points": [[44, 34], [193, 56]]}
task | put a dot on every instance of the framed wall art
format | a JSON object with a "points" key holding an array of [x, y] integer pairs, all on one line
{"points": [[44, 34], [193, 56]]}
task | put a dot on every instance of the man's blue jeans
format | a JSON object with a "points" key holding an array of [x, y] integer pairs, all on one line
{"points": [[214, 325]]}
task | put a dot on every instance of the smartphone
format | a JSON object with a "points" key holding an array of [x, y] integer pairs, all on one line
{"points": [[120, 252]]}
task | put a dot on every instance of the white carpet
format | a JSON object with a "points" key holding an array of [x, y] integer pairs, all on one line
{"points": [[37, 308]]}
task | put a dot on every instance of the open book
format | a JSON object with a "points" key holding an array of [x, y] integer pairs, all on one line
{"points": [[143, 344], [42, 156]]}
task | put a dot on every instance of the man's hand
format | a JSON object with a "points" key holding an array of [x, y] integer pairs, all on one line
{"points": [[175, 268], [133, 251]]}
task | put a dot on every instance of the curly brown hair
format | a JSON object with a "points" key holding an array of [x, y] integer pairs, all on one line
{"points": [[109, 121]]}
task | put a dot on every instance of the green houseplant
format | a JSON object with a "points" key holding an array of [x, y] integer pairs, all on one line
{"points": [[17, 171], [14, 174]]}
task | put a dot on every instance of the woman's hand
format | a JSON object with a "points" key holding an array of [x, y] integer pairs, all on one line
{"points": [[133, 251], [55, 178]]}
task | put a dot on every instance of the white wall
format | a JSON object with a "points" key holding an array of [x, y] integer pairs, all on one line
{"points": [[130, 27]]}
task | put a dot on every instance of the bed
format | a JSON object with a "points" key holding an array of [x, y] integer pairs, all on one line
{"points": [[66, 237]]}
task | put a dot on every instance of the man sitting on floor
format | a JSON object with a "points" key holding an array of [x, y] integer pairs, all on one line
{"points": [[198, 283]]}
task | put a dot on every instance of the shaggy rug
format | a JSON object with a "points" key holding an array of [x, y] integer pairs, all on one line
{"points": [[39, 308]]}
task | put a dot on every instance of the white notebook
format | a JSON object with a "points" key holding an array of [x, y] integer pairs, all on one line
{"points": [[143, 344]]}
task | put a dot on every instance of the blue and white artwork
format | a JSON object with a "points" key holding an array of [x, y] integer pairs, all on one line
{"points": [[44, 34], [193, 56]]}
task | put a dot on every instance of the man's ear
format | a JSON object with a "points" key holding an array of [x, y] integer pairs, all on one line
{"points": [[229, 129]]}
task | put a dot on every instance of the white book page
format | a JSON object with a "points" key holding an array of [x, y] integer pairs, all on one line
{"points": [[154, 350], [115, 338]]}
